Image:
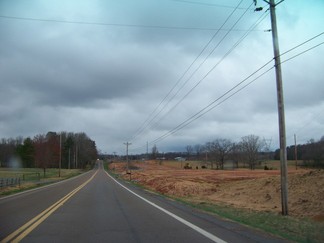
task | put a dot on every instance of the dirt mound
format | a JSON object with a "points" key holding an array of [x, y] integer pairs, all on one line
{"points": [[306, 194], [257, 190]]}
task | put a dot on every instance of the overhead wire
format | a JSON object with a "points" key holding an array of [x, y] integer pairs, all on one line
{"points": [[305, 125], [199, 66], [303, 43], [259, 20], [221, 99], [210, 53], [313, 47], [211, 106], [220, 61], [206, 4], [115, 24], [169, 27], [307, 50], [151, 116]]}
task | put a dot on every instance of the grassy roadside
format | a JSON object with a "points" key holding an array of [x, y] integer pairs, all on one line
{"points": [[294, 229], [33, 178], [291, 228]]}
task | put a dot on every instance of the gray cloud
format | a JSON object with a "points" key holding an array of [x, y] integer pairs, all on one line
{"points": [[106, 80]]}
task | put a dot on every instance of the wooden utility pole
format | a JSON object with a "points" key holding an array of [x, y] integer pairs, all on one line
{"points": [[147, 156], [127, 144], [69, 157], [60, 162], [295, 150], [280, 102], [281, 110], [76, 156]]}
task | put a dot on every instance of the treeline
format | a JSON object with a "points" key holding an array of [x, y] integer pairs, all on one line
{"points": [[74, 150], [311, 153], [249, 152], [252, 150]]}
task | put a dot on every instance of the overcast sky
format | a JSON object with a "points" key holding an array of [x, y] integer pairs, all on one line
{"points": [[134, 70]]}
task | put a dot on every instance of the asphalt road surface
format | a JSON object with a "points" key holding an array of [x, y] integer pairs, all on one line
{"points": [[94, 207]]}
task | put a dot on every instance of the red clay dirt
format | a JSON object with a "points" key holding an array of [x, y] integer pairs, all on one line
{"points": [[257, 190]]}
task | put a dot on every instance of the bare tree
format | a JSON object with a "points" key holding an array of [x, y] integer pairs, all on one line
{"points": [[155, 152], [236, 153], [209, 153], [313, 153], [251, 146], [221, 148], [198, 149], [189, 150], [41, 152]]}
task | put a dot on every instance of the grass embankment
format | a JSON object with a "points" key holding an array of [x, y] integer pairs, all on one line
{"points": [[291, 228], [298, 229], [33, 177]]}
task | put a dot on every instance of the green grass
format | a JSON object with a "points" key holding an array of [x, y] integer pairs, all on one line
{"points": [[34, 177], [291, 228], [50, 173]]}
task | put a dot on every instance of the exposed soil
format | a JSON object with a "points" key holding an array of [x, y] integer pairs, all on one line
{"points": [[257, 189]]}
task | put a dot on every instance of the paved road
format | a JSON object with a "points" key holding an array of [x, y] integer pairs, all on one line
{"points": [[96, 208]]}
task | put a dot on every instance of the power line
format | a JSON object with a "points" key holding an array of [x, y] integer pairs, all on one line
{"points": [[199, 66], [206, 75], [151, 117], [303, 43], [116, 24], [234, 46], [212, 105], [303, 52], [207, 4], [224, 96], [305, 125]]}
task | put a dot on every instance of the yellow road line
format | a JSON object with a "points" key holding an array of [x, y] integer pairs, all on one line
{"points": [[24, 230]]}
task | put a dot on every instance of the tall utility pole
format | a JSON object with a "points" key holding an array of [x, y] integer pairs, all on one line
{"points": [[127, 144], [295, 150], [281, 110], [147, 150], [69, 158], [76, 156], [60, 162]]}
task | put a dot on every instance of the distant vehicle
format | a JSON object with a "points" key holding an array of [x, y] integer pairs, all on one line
{"points": [[180, 159]]}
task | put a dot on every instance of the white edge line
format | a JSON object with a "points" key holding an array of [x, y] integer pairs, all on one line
{"points": [[192, 226]]}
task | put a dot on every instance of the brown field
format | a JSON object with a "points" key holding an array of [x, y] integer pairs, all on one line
{"points": [[242, 188]]}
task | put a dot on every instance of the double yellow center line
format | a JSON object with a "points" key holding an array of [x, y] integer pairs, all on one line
{"points": [[24, 230]]}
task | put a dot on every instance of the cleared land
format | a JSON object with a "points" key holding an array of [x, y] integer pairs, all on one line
{"points": [[258, 189], [249, 197]]}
